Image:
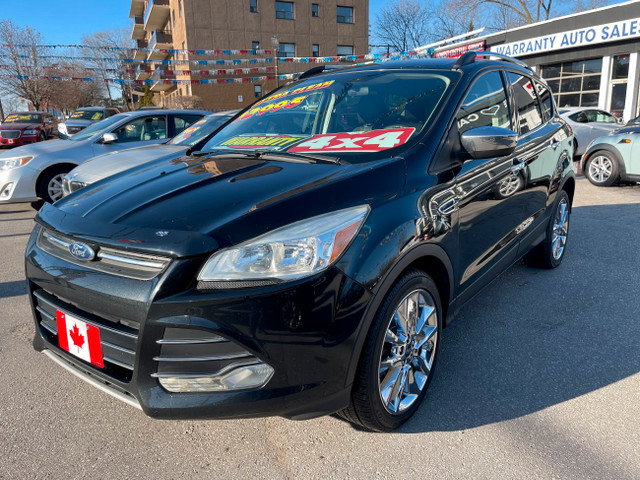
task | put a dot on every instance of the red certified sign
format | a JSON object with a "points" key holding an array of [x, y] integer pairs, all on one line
{"points": [[457, 51], [373, 141]]}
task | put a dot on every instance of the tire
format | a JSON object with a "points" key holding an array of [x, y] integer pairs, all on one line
{"points": [[49, 187], [42, 137], [396, 369], [550, 252], [602, 169]]}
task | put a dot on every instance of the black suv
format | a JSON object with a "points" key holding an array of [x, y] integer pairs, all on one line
{"points": [[307, 259]]}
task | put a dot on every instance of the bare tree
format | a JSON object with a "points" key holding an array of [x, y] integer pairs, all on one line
{"points": [[24, 65], [113, 44], [403, 24]]}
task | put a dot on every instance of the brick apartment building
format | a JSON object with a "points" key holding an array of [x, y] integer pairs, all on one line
{"points": [[302, 28]]}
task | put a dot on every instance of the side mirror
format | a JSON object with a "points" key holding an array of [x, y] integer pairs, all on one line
{"points": [[489, 142], [108, 138], [620, 120]]}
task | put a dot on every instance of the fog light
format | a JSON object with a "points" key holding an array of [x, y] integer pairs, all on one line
{"points": [[7, 190], [239, 378]]}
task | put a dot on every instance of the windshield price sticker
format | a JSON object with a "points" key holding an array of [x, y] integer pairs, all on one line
{"points": [[295, 91], [273, 107], [365, 142], [252, 141], [11, 118]]}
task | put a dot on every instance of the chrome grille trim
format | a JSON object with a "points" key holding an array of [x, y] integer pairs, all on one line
{"points": [[208, 358], [13, 134], [188, 341], [139, 266]]}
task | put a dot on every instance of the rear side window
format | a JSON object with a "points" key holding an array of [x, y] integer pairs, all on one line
{"points": [[529, 112], [180, 122], [485, 105], [545, 100]]}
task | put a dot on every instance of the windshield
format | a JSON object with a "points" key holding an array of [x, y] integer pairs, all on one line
{"points": [[196, 132], [349, 113], [23, 118], [87, 115], [97, 127]]}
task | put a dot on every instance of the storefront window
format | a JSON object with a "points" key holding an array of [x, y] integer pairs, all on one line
{"points": [[574, 84], [619, 75], [620, 67]]}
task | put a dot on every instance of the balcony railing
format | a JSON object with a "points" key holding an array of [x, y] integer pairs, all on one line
{"points": [[137, 8], [138, 28], [156, 15], [160, 40]]}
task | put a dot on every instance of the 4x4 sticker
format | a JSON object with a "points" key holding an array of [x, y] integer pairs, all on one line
{"points": [[373, 141]]}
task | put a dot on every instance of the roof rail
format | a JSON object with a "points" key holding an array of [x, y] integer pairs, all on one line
{"points": [[319, 69], [470, 57]]}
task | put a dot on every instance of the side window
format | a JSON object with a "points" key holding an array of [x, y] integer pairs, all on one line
{"points": [[110, 112], [605, 117], [545, 100], [529, 113], [142, 129], [485, 105], [180, 122]]}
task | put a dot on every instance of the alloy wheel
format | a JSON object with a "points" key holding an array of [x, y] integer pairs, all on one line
{"points": [[408, 351], [600, 169], [509, 186], [54, 188], [560, 229]]}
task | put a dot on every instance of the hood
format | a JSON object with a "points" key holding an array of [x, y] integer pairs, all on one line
{"points": [[20, 126], [79, 122], [51, 147], [106, 165], [191, 206]]}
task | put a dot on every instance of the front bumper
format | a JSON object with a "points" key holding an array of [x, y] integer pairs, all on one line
{"points": [[306, 331], [16, 142], [18, 185]]}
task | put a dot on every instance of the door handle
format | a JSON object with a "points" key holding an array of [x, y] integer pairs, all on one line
{"points": [[554, 144], [448, 207]]}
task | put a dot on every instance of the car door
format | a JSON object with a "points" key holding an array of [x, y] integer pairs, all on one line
{"points": [[634, 162], [487, 221], [138, 132]]}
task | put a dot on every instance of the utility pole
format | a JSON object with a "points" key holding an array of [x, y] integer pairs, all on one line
{"points": [[1, 111]]}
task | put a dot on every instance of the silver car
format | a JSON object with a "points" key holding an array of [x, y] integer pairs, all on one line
{"points": [[192, 138], [81, 118], [36, 171], [588, 123]]}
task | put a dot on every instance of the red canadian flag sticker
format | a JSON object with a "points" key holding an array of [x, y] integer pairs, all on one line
{"points": [[79, 338]]}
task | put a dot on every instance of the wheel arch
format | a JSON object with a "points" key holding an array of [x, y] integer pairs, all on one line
{"points": [[608, 148], [431, 259], [569, 186], [69, 165]]}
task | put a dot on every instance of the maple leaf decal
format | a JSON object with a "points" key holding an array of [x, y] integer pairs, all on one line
{"points": [[78, 339]]}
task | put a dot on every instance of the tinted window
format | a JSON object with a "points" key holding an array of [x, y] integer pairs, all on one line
{"points": [[23, 118], [143, 129], [180, 122], [529, 113], [545, 101], [485, 105]]}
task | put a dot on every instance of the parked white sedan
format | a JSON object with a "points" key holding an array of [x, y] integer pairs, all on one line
{"points": [[588, 123]]}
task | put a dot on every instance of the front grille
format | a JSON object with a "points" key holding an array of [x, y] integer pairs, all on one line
{"points": [[118, 340], [72, 130], [128, 264], [190, 352], [10, 133]]}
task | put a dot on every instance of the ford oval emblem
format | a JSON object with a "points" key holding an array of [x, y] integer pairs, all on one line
{"points": [[81, 251]]}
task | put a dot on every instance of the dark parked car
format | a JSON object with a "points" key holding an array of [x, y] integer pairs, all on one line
{"points": [[307, 259], [82, 118], [27, 127]]}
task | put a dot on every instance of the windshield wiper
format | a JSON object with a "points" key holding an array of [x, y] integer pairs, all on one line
{"points": [[269, 155]]}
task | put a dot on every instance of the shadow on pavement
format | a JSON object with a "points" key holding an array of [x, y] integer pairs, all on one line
{"points": [[13, 289], [536, 338]]}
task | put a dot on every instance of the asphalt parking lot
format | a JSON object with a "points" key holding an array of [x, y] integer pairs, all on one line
{"points": [[538, 378]]}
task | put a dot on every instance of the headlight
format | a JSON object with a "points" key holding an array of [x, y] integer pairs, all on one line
{"points": [[291, 252], [9, 163], [30, 132]]}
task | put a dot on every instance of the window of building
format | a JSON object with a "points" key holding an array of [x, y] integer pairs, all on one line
{"points": [[529, 112], [345, 14], [315, 50], [253, 6], [345, 50], [180, 8], [486, 95], [287, 50], [255, 45], [619, 76], [284, 10], [314, 10], [574, 84], [257, 91]]}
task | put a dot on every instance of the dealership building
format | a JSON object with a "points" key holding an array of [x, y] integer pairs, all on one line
{"points": [[588, 59]]}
